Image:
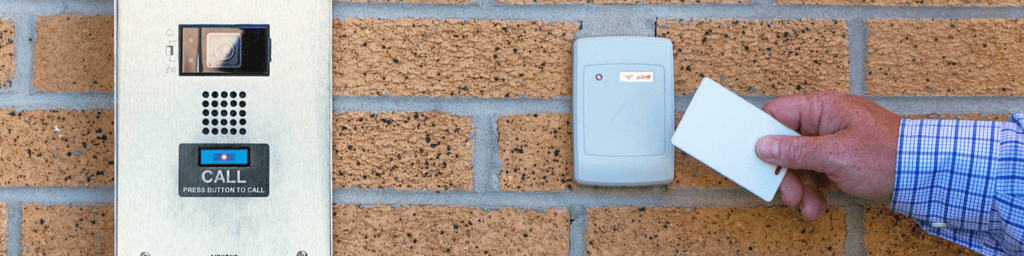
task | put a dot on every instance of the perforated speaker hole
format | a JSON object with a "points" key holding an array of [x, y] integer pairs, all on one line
{"points": [[227, 108]]}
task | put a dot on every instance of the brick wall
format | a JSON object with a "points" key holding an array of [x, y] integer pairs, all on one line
{"points": [[453, 117]]}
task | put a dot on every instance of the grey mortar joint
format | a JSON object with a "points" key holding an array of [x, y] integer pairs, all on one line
{"points": [[854, 230], [857, 46], [24, 52], [486, 161], [58, 195], [951, 104], [57, 100], [483, 3], [578, 230], [600, 21], [464, 106], [13, 228], [658, 196]]}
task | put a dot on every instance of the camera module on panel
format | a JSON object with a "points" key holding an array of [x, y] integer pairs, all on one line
{"points": [[225, 50]]}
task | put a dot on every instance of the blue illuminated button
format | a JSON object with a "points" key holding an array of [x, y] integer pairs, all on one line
{"points": [[223, 157]]}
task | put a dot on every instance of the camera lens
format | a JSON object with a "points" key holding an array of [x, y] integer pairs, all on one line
{"points": [[222, 51]]}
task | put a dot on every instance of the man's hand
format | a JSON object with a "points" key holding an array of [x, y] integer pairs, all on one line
{"points": [[849, 142]]}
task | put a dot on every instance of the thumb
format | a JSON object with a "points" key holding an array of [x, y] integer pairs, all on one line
{"points": [[795, 152]]}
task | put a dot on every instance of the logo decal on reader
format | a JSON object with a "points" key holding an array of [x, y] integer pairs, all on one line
{"points": [[636, 77]]}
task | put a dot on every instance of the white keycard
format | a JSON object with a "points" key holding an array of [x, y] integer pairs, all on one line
{"points": [[721, 129]]}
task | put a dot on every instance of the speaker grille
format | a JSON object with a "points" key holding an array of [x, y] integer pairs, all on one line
{"points": [[224, 113]]}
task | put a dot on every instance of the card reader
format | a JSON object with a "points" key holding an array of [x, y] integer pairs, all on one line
{"points": [[623, 103]]}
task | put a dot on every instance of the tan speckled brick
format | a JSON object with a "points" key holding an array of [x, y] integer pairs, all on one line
{"points": [[57, 148], [403, 151], [972, 117], [621, 1], [626, 230], [67, 230], [74, 53], [7, 66], [3, 228], [908, 2], [536, 155], [434, 230], [945, 57], [536, 152], [770, 57], [890, 233], [690, 172], [447, 58]]}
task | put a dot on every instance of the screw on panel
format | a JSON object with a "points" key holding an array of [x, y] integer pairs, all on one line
{"points": [[301, 253], [144, 254]]}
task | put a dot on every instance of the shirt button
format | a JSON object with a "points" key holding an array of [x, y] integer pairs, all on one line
{"points": [[938, 225]]}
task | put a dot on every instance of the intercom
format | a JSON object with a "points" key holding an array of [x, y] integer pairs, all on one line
{"points": [[223, 123]]}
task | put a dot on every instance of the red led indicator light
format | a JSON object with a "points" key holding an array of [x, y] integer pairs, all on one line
{"points": [[223, 157]]}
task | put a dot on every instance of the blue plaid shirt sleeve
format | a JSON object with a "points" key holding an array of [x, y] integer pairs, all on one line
{"points": [[964, 181]]}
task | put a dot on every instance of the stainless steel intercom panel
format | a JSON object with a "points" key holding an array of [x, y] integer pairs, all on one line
{"points": [[223, 117]]}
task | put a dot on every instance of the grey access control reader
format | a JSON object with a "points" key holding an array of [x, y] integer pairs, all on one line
{"points": [[223, 122], [623, 102]]}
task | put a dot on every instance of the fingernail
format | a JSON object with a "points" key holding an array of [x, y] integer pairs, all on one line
{"points": [[768, 147]]}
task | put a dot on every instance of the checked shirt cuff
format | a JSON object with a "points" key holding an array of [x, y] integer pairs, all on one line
{"points": [[946, 178], [945, 172]]}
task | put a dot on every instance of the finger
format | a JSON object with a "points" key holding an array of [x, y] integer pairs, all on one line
{"points": [[791, 189], [812, 203], [786, 109], [802, 112], [798, 152]]}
